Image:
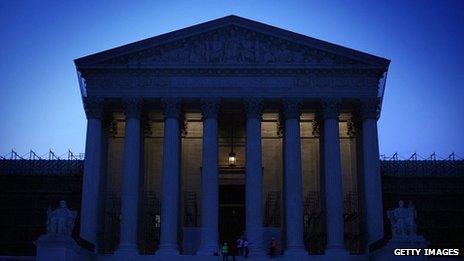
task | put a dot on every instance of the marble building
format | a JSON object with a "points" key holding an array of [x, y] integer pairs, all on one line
{"points": [[229, 128]]}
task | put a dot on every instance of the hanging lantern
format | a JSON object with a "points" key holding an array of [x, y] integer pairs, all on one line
{"points": [[232, 156], [232, 159]]}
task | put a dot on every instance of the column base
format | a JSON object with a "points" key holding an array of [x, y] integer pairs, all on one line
{"points": [[127, 250], [209, 250], [257, 253], [167, 249], [336, 253], [255, 239], [296, 252]]}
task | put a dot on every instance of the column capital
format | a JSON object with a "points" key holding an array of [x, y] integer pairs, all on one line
{"points": [[93, 107], [330, 108], [291, 108], [110, 125], [146, 125], [210, 107], [369, 108], [253, 107], [171, 107], [132, 107]]}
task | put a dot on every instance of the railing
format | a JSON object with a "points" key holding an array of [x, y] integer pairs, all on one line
{"points": [[272, 209], [47, 164], [50, 155], [190, 209], [149, 222], [314, 223], [70, 163], [149, 235], [109, 234], [352, 223], [418, 166]]}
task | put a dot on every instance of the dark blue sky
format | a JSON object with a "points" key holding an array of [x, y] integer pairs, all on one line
{"points": [[423, 107]]}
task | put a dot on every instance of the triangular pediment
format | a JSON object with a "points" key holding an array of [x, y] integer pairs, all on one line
{"points": [[230, 41]]}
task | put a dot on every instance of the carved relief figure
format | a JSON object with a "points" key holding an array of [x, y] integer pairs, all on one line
{"points": [[233, 48], [249, 51], [216, 49], [160, 55], [298, 55], [181, 54], [197, 52], [232, 45], [283, 54], [265, 52]]}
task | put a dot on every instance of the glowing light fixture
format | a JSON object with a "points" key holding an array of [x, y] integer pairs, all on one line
{"points": [[232, 159]]}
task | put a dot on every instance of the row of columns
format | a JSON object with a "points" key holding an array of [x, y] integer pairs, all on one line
{"points": [[292, 176]]}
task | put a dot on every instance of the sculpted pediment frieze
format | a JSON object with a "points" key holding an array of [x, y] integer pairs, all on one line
{"points": [[230, 45]]}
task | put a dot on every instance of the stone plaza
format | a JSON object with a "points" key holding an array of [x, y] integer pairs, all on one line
{"points": [[225, 129]]}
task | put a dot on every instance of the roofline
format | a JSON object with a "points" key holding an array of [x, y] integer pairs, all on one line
{"points": [[240, 21]]}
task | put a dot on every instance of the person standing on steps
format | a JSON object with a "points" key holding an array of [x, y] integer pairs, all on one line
{"points": [[272, 248], [245, 247], [233, 250], [224, 252], [240, 246]]}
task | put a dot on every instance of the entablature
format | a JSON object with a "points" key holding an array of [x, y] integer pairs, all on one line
{"points": [[233, 83]]}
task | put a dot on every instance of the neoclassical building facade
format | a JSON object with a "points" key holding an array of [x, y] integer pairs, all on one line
{"points": [[229, 128]]}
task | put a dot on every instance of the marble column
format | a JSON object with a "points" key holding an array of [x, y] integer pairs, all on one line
{"points": [[130, 177], [254, 177], [292, 178], [91, 197], [371, 170], [170, 178], [332, 178], [209, 178]]}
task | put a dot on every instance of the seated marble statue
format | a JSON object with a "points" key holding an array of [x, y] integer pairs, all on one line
{"points": [[60, 222], [402, 220]]}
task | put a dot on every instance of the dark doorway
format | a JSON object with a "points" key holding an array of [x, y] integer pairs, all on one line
{"points": [[231, 212]]}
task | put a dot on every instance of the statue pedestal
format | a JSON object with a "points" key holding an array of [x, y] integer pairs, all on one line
{"points": [[410, 242], [52, 247]]}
